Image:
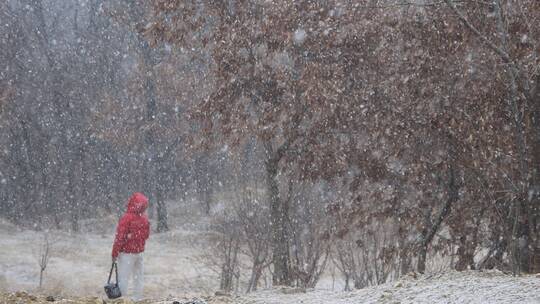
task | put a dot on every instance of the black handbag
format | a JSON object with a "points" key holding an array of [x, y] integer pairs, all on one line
{"points": [[111, 289]]}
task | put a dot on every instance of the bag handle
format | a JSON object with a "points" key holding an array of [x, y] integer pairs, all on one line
{"points": [[115, 267]]}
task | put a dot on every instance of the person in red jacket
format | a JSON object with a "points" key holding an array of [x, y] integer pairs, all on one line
{"points": [[131, 234]]}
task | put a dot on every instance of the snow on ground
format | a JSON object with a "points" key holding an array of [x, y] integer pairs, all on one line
{"points": [[471, 287], [174, 269], [80, 263], [491, 287]]}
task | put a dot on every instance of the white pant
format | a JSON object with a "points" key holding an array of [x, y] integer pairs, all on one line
{"points": [[131, 264]]}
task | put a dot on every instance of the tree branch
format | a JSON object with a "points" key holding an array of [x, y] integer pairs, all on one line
{"points": [[452, 197], [504, 55]]}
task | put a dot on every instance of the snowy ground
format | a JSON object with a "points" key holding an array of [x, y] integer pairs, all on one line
{"points": [[452, 287], [80, 263], [174, 269]]}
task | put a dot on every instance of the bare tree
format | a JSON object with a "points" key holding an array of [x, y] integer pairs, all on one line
{"points": [[254, 220], [44, 255]]}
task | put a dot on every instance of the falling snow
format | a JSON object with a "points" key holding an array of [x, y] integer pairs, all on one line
{"points": [[291, 151]]}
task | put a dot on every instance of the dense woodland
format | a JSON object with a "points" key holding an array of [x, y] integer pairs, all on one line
{"points": [[376, 135]]}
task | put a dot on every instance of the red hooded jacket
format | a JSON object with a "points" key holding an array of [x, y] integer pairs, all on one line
{"points": [[133, 229]]}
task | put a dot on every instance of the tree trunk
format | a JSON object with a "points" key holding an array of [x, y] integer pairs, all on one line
{"points": [[518, 237], [421, 267], [77, 184], [229, 265], [41, 277], [404, 253], [203, 182], [533, 202], [347, 285], [152, 161], [162, 225], [465, 254], [256, 273], [279, 214], [429, 234]]}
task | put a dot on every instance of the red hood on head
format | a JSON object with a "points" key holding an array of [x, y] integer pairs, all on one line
{"points": [[137, 203]]}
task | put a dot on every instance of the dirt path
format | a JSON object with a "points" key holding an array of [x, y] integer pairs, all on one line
{"points": [[24, 298]]}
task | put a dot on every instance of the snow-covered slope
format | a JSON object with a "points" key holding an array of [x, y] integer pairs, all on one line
{"points": [[490, 287], [452, 287]]}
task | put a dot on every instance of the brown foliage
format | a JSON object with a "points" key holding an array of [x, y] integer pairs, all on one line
{"points": [[387, 100]]}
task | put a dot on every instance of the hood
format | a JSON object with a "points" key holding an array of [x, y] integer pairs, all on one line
{"points": [[137, 203]]}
